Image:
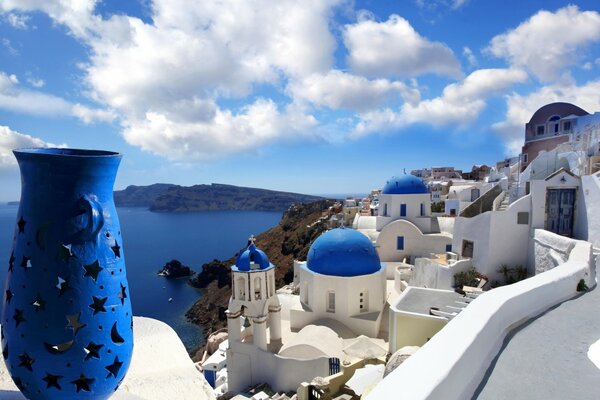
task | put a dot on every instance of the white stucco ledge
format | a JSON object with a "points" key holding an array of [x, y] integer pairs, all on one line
{"points": [[452, 364], [160, 368], [594, 354]]}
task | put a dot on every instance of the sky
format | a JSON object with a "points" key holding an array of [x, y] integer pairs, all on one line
{"points": [[309, 96]]}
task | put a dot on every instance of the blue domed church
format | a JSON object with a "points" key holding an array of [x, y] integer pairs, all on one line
{"points": [[342, 280]]}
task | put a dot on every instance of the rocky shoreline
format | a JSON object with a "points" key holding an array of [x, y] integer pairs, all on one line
{"points": [[287, 241]]}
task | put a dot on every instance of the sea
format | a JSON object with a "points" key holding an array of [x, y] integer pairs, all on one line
{"points": [[151, 239]]}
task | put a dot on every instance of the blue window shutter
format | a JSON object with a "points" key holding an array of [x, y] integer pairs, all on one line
{"points": [[400, 243], [403, 210]]}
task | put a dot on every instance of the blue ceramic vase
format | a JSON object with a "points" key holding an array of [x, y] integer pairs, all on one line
{"points": [[67, 327]]}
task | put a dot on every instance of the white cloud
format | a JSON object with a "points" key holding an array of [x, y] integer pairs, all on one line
{"points": [[468, 54], [548, 42], [225, 132], [520, 108], [394, 49], [340, 90], [9, 47], [36, 82], [173, 72], [17, 99], [456, 4], [460, 103], [76, 15], [10, 140], [92, 115], [17, 21]]}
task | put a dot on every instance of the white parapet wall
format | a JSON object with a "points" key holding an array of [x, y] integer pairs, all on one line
{"points": [[160, 368], [452, 364]]}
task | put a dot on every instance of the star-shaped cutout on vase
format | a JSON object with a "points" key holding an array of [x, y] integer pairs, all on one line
{"points": [[9, 296], [92, 270], [74, 323], [92, 350], [83, 383], [122, 295], [114, 368], [62, 286], [18, 316], [65, 252], [11, 261], [39, 303], [52, 381], [21, 225], [26, 263], [116, 249], [98, 304], [26, 361]]}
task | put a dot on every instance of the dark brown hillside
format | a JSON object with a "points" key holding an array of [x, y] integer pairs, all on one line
{"points": [[289, 240]]}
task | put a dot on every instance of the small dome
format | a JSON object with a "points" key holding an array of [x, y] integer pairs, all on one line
{"points": [[252, 255], [405, 184], [343, 252]]}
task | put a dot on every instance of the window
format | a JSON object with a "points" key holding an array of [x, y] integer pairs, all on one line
{"points": [[364, 301], [257, 288], [403, 210], [449, 247], [524, 157], [422, 209], [385, 210], [523, 218], [400, 243], [567, 126], [241, 286], [331, 301], [555, 128], [540, 129], [467, 248]]}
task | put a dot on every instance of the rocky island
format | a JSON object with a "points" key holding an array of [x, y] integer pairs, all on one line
{"points": [[175, 269], [163, 197]]}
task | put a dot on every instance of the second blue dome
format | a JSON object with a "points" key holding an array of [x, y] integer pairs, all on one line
{"points": [[405, 184]]}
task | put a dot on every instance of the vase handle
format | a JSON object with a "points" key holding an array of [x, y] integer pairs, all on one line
{"points": [[93, 217]]}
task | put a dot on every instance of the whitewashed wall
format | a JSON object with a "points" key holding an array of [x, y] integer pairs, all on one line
{"points": [[413, 210], [473, 338], [497, 238], [416, 243]]}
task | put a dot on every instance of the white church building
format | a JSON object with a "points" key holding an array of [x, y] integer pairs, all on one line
{"points": [[291, 337], [404, 228]]}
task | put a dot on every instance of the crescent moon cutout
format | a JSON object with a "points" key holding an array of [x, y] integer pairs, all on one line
{"points": [[58, 348], [115, 336]]}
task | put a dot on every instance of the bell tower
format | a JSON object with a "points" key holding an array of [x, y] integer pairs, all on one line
{"points": [[253, 297]]}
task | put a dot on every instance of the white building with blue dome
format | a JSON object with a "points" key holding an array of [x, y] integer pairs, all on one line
{"points": [[404, 227], [342, 280]]}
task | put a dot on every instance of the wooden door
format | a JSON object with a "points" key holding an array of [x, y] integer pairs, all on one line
{"points": [[560, 211]]}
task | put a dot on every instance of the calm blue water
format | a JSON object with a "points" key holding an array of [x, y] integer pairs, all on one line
{"points": [[152, 239]]}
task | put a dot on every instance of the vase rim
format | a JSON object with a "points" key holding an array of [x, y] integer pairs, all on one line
{"points": [[66, 152]]}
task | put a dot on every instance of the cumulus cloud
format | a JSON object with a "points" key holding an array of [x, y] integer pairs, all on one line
{"points": [[10, 140], [460, 103], [17, 99], [520, 107], [394, 49], [340, 90], [166, 78], [76, 15], [548, 42], [225, 132]]}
